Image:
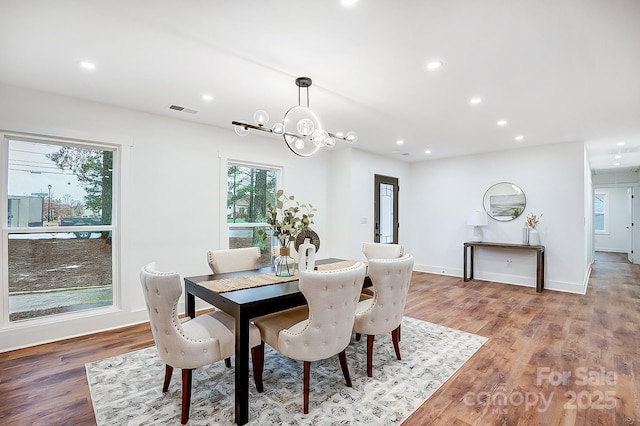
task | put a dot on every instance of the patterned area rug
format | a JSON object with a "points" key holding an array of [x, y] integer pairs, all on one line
{"points": [[127, 389]]}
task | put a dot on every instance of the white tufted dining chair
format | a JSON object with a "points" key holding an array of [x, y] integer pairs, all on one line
{"points": [[322, 328], [382, 251], [379, 251], [383, 312], [192, 343], [233, 260]]}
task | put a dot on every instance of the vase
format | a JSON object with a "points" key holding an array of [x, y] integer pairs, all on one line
{"points": [[285, 264], [534, 238], [306, 256], [525, 235]]}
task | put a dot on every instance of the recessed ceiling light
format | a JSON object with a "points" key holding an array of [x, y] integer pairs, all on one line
{"points": [[207, 97], [618, 156], [519, 137], [616, 164], [502, 122], [427, 151], [349, 3], [88, 65], [434, 65], [620, 143], [475, 101], [399, 142]]}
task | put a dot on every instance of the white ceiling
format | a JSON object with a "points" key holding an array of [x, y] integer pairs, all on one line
{"points": [[558, 71]]}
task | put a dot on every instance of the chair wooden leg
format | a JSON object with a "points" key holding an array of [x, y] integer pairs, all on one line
{"points": [[307, 376], [370, 338], [227, 362], [168, 371], [395, 336], [186, 394], [257, 358], [345, 368]]}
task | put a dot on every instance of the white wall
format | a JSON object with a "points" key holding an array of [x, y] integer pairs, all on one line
{"points": [[552, 178], [170, 190], [351, 196]]}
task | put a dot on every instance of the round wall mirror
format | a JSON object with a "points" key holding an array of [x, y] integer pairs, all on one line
{"points": [[504, 201]]}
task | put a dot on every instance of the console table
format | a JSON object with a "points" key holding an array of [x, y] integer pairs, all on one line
{"points": [[470, 246]]}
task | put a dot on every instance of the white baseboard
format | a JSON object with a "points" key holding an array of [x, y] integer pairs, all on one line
{"points": [[524, 281]]}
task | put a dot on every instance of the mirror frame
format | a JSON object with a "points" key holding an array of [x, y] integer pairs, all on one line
{"points": [[504, 201]]}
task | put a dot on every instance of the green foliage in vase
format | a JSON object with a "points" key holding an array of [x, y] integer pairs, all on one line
{"points": [[287, 218]]}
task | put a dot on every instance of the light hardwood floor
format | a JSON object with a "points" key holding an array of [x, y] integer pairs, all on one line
{"points": [[516, 378]]}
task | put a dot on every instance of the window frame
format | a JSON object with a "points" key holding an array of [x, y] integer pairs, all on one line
{"points": [[224, 169], [6, 230]]}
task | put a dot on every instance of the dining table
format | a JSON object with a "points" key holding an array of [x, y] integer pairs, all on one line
{"points": [[246, 295]]}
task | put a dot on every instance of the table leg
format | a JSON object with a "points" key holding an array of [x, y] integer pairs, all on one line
{"points": [[242, 369], [189, 303]]}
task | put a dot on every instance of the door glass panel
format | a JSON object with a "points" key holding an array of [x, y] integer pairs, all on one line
{"points": [[386, 213]]}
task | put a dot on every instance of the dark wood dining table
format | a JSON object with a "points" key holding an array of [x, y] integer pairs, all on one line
{"points": [[244, 305]]}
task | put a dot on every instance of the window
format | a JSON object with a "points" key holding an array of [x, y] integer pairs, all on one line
{"points": [[601, 212], [58, 229], [249, 189]]}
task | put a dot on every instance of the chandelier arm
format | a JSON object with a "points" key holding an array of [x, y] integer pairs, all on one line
{"points": [[251, 126], [342, 138]]}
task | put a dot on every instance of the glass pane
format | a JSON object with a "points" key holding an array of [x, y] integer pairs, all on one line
{"points": [[53, 185], [52, 273], [598, 203], [248, 237], [598, 222], [386, 213], [248, 191]]}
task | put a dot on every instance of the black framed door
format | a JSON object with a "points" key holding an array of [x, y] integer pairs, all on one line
{"points": [[385, 215]]}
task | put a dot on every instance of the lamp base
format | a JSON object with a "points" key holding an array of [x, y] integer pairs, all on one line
{"points": [[477, 234]]}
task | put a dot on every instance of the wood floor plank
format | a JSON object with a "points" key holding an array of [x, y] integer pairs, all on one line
{"points": [[514, 379]]}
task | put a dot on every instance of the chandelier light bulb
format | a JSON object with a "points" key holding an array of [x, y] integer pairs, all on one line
{"points": [[351, 137], [261, 117], [330, 142], [319, 137], [305, 127], [299, 143], [241, 130], [278, 128]]}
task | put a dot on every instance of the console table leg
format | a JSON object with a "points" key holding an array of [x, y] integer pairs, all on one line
{"points": [[540, 272], [468, 269]]}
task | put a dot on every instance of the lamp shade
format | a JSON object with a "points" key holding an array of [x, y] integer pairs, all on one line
{"points": [[477, 218]]}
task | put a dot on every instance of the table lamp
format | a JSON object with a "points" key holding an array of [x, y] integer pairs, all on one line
{"points": [[477, 218]]}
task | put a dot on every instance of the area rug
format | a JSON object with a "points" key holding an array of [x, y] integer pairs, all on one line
{"points": [[127, 389]]}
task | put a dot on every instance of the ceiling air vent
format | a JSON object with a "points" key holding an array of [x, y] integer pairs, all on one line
{"points": [[183, 109]]}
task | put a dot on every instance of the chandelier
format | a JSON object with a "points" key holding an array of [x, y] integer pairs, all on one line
{"points": [[300, 127]]}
